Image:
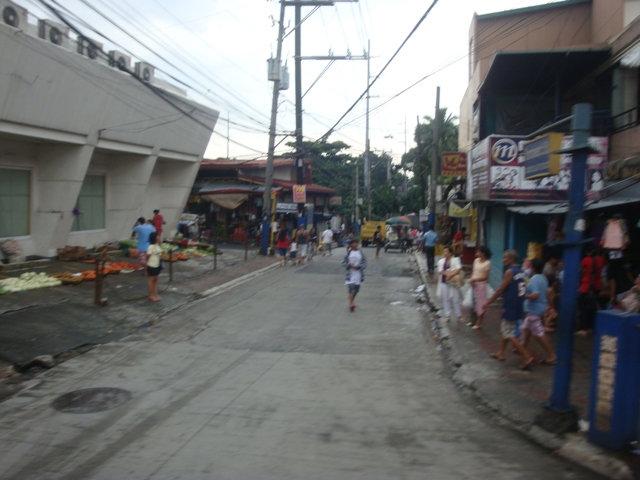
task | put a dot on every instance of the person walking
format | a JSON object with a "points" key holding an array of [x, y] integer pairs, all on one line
{"points": [[429, 240], [480, 284], [142, 231], [282, 245], [327, 240], [377, 240], [355, 263], [535, 306], [512, 289], [590, 287], [449, 272], [302, 238], [158, 223], [154, 266]]}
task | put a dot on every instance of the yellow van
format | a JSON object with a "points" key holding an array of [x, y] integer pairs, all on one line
{"points": [[368, 229]]}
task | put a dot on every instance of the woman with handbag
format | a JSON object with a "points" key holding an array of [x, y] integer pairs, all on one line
{"points": [[450, 280]]}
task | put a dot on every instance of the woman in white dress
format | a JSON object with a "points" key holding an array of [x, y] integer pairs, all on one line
{"points": [[449, 268]]}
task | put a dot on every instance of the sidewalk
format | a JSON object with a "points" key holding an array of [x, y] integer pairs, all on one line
{"points": [[56, 323], [514, 395]]}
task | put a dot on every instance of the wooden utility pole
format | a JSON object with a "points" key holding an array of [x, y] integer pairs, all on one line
{"points": [[367, 160], [268, 181], [431, 185]]}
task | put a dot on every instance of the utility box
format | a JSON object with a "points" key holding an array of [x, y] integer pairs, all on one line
{"points": [[615, 380], [273, 69]]}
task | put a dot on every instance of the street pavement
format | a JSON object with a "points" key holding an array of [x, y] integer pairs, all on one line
{"points": [[272, 380]]}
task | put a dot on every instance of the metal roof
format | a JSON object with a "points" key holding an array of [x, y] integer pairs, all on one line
{"points": [[532, 9]]}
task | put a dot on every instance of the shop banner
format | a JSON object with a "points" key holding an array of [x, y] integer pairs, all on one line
{"points": [[497, 168], [539, 157], [282, 207], [299, 194], [457, 211], [335, 201], [454, 164]]}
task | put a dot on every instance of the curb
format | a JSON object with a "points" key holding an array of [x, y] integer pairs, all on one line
{"points": [[572, 447], [215, 291]]}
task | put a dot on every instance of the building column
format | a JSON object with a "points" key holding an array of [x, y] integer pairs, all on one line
{"points": [[60, 171], [128, 179]]}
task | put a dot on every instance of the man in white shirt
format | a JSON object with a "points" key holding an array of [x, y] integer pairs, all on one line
{"points": [[355, 263], [327, 240]]}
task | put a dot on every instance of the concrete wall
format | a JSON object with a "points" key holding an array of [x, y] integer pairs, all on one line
{"points": [[607, 19], [63, 116], [625, 144]]}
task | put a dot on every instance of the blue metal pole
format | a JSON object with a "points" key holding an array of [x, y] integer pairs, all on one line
{"points": [[574, 227], [266, 236]]}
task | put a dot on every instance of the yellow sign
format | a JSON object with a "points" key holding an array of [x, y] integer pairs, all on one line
{"points": [[460, 212], [299, 194], [540, 159]]}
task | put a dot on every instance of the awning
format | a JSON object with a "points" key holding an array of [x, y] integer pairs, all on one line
{"points": [[631, 58], [229, 201], [621, 195], [515, 71]]}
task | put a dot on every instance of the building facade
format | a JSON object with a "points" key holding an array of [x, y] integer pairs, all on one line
{"points": [[527, 68], [85, 148]]}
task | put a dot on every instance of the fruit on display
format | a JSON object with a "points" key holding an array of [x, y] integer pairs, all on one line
{"points": [[28, 281], [68, 278]]}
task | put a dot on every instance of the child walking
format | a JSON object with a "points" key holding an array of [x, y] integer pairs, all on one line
{"points": [[355, 263], [535, 306]]}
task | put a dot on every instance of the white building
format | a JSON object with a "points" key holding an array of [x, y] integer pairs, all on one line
{"points": [[85, 149]]}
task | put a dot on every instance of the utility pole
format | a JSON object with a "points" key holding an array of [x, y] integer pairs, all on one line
{"points": [[431, 185], [356, 187], [228, 137], [559, 404], [268, 181], [367, 162], [298, 65]]}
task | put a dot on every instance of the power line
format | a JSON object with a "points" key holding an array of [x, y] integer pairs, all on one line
{"points": [[172, 64], [158, 92], [293, 29], [386, 65]]}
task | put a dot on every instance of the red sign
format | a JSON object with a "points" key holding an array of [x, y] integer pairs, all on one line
{"points": [[454, 164], [299, 194]]}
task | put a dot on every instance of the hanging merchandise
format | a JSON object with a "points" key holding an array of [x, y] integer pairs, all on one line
{"points": [[615, 235]]}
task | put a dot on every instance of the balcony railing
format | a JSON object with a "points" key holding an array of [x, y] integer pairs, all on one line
{"points": [[625, 120]]}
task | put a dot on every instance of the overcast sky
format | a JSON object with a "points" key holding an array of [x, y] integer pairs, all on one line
{"points": [[221, 47]]}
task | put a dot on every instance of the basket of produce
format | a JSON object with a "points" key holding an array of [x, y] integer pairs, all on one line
{"points": [[88, 275], [72, 254], [28, 281]]}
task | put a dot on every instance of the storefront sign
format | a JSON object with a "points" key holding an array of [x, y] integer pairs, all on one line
{"points": [[282, 207], [498, 171], [539, 159], [299, 194], [454, 164], [457, 211], [335, 201]]}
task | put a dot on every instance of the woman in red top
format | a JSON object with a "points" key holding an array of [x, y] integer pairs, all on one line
{"points": [[591, 265], [282, 244]]}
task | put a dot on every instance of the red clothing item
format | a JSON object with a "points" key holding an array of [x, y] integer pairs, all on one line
{"points": [[591, 274], [283, 244], [458, 236], [158, 222]]}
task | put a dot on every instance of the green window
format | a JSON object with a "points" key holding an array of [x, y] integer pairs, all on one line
{"points": [[15, 187], [90, 208]]}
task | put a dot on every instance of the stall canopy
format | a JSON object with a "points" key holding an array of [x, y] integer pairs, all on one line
{"points": [[229, 195], [614, 195]]}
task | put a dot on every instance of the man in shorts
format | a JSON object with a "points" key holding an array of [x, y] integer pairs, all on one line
{"points": [[512, 289], [327, 240], [355, 263], [535, 306]]}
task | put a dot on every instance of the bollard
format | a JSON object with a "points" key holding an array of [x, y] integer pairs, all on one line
{"points": [[171, 264], [246, 246], [100, 262]]}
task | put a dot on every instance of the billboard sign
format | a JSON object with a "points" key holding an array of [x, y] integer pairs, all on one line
{"points": [[299, 194], [539, 157], [498, 171], [454, 164]]}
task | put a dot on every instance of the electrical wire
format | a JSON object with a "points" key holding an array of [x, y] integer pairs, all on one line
{"points": [[331, 62], [167, 61], [386, 65], [156, 91], [293, 29]]}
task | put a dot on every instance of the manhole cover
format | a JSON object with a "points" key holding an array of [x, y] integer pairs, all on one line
{"points": [[91, 400]]}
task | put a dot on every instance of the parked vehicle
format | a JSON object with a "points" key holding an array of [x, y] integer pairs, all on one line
{"points": [[368, 229]]}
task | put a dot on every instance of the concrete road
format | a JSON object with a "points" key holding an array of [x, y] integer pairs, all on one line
{"points": [[273, 380]]}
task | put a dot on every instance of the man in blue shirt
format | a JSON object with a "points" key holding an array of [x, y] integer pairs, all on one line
{"points": [[429, 239], [512, 289], [142, 231], [535, 306]]}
